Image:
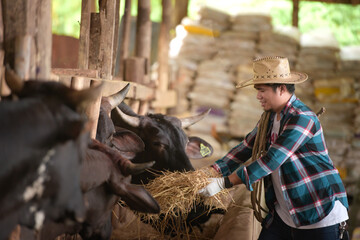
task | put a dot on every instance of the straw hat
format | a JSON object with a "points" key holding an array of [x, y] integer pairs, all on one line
{"points": [[273, 70]]}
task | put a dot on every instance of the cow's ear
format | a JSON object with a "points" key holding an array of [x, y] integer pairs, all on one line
{"points": [[127, 141], [198, 148]]}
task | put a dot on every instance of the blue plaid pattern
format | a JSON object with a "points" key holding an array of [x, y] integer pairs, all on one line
{"points": [[310, 183]]}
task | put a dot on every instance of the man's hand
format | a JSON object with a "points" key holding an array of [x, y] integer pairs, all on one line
{"points": [[215, 186]]}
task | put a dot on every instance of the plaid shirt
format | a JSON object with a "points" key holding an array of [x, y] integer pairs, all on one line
{"points": [[309, 181]]}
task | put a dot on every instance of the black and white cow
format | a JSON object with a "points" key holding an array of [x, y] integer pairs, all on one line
{"points": [[42, 143]]}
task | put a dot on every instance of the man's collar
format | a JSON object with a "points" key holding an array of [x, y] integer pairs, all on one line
{"points": [[288, 105]]}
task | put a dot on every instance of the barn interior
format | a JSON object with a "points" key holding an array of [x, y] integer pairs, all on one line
{"points": [[187, 63]]}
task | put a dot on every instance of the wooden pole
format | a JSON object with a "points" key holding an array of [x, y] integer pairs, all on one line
{"points": [[163, 49], [107, 22], [23, 46], [135, 69], [84, 39], [143, 34], [116, 35], [24, 23], [180, 11], [295, 18], [93, 112], [43, 39], [124, 46], [94, 44]]}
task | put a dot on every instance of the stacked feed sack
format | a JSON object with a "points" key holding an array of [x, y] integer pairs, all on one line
{"points": [[214, 19], [245, 108], [319, 54], [251, 24], [181, 79], [337, 123], [319, 58], [336, 92], [193, 43], [282, 41], [231, 46], [349, 67], [213, 88], [350, 61]]}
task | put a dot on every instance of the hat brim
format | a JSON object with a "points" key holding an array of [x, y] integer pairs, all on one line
{"points": [[295, 78]]}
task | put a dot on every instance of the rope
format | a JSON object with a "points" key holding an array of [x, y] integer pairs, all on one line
{"points": [[259, 149]]}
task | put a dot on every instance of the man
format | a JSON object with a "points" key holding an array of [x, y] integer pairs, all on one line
{"points": [[303, 190]]}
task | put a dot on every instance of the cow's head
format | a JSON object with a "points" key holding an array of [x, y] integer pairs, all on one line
{"points": [[166, 142]]}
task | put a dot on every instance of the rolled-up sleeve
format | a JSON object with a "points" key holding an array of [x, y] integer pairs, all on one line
{"points": [[236, 156]]}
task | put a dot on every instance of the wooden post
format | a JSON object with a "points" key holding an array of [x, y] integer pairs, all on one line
{"points": [[143, 40], [180, 11], [124, 46], [295, 17], [43, 39], [116, 35], [163, 49], [93, 112], [23, 52], [23, 23], [94, 45], [84, 39], [143, 33], [107, 22], [135, 69]]}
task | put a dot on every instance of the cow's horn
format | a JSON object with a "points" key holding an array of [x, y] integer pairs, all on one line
{"points": [[131, 120], [118, 97], [186, 122], [137, 168], [13, 80], [84, 97]]}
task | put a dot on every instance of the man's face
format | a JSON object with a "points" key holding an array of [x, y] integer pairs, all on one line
{"points": [[269, 99]]}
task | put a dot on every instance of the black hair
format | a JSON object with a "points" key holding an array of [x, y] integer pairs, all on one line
{"points": [[289, 87]]}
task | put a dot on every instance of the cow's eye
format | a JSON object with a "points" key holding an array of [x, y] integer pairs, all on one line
{"points": [[160, 145]]}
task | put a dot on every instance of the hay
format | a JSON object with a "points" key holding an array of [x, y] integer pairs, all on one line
{"points": [[177, 194]]}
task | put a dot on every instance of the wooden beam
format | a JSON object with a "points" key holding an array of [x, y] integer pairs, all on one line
{"points": [[84, 39], [136, 91], [295, 16], [164, 99], [89, 73]]}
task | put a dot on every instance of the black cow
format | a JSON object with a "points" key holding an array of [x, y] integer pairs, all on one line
{"points": [[42, 142], [167, 145], [105, 179]]}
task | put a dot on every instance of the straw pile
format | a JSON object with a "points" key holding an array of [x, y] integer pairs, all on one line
{"points": [[176, 193]]}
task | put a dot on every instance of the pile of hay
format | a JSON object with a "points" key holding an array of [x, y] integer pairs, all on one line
{"points": [[177, 194]]}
